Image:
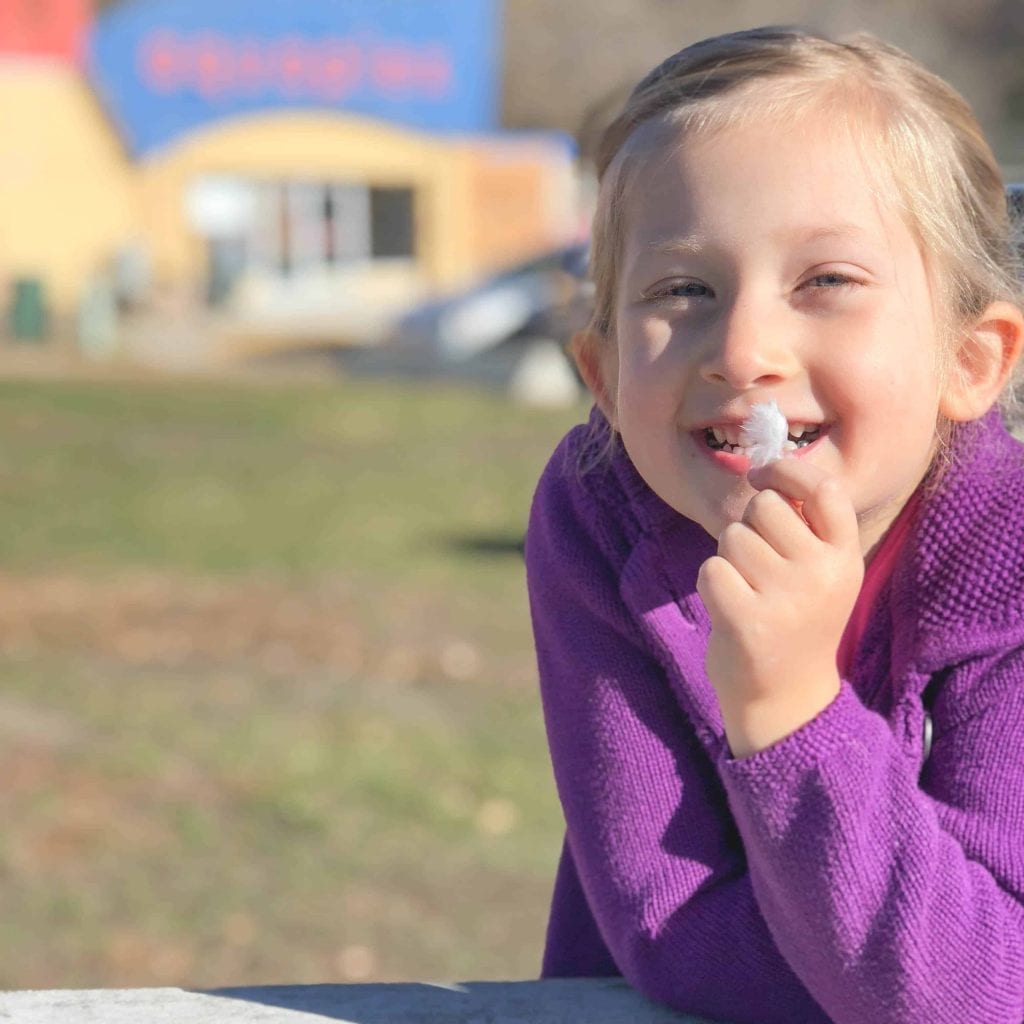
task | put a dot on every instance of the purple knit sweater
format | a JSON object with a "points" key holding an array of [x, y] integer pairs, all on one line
{"points": [[837, 875]]}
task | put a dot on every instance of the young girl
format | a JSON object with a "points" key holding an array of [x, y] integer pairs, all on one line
{"points": [[793, 787]]}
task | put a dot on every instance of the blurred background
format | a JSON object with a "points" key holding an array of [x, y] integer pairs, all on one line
{"points": [[284, 291]]}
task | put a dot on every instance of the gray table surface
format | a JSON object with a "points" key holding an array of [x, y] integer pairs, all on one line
{"points": [[569, 1001]]}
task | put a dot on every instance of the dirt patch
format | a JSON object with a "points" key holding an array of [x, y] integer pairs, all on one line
{"points": [[163, 620], [157, 619]]}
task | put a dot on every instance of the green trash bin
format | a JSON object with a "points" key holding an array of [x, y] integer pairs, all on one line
{"points": [[29, 317]]}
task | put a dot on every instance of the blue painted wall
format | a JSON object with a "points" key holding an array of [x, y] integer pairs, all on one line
{"points": [[165, 67]]}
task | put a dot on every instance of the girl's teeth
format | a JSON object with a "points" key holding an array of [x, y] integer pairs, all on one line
{"points": [[726, 434], [727, 438]]}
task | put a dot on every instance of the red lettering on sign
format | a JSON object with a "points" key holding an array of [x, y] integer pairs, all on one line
{"points": [[250, 67], [213, 65], [392, 69], [435, 72], [338, 70], [217, 67], [161, 62], [291, 66]]}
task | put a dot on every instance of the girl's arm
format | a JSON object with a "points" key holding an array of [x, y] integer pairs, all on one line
{"points": [[574, 947], [657, 855], [893, 903], [889, 902]]}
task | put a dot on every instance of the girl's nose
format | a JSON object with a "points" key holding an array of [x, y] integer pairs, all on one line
{"points": [[747, 351]]}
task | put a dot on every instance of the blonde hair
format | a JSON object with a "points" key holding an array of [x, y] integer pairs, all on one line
{"points": [[943, 177]]}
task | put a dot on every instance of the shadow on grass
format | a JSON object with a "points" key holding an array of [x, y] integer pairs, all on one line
{"points": [[485, 545]]}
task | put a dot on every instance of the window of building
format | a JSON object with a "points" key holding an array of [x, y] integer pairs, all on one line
{"points": [[291, 229], [327, 224], [391, 222]]}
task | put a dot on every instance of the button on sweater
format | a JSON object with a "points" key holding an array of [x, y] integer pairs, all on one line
{"points": [[837, 875]]}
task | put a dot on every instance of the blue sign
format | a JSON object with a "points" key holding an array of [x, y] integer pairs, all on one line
{"points": [[164, 67]]}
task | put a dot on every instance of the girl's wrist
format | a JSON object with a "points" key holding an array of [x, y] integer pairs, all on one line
{"points": [[751, 727]]}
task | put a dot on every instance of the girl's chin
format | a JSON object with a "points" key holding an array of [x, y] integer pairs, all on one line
{"points": [[682, 481], [715, 519], [716, 524]]}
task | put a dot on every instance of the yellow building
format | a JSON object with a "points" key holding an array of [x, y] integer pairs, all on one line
{"points": [[68, 192], [310, 174]]}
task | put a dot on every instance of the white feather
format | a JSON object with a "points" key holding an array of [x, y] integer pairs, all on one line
{"points": [[763, 433]]}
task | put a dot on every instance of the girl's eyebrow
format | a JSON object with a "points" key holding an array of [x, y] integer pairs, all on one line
{"points": [[696, 243], [686, 245], [824, 233], [693, 244]]}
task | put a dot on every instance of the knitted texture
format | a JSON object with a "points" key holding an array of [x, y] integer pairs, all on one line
{"points": [[832, 876]]}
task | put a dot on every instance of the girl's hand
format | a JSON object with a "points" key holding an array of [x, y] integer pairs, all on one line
{"points": [[779, 593]]}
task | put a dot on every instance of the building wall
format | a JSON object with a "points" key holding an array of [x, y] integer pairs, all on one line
{"points": [[70, 199], [522, 198], [100, 165], [72, 203], [67, 191], [480, 204], [299, 145]]}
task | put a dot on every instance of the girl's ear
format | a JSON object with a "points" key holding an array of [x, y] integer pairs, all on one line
{"points": [[597, 361], [984, 363]]}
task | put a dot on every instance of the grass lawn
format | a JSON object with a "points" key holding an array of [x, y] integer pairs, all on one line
{"points": [[268, 706]]}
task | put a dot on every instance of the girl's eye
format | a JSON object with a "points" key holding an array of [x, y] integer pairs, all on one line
{"points": [[682, 290], [830, 280]]}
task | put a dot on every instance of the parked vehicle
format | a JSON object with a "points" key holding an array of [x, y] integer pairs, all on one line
{"points": [[517, 305]]}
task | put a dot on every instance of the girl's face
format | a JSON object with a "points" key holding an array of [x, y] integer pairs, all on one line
{"points": [[758, 264]]}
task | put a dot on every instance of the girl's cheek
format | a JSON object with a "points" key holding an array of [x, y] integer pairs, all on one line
{"points": [[648, 390], [650, 359], [646, 335]]}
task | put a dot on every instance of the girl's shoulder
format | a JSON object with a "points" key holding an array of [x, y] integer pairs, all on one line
{"points": [[965, 573], [591, 505], [591, 477]]}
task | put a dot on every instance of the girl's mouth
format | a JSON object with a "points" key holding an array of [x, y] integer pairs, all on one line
{"points": [[727, 438]]}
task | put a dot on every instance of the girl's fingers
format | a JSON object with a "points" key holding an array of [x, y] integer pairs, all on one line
{"points": [[722, 589], [774, 518], [824, 503], [831, 515], [749, 554]]}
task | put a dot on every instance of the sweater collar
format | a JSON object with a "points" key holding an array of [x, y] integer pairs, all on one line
{"points": [[958, 585], [958, 592]]}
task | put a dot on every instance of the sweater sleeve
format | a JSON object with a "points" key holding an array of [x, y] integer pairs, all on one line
{"points": [[894, 901], [650, 841]]}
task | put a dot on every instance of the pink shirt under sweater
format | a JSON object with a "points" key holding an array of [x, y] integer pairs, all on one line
{"points": [[877, 573]]}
